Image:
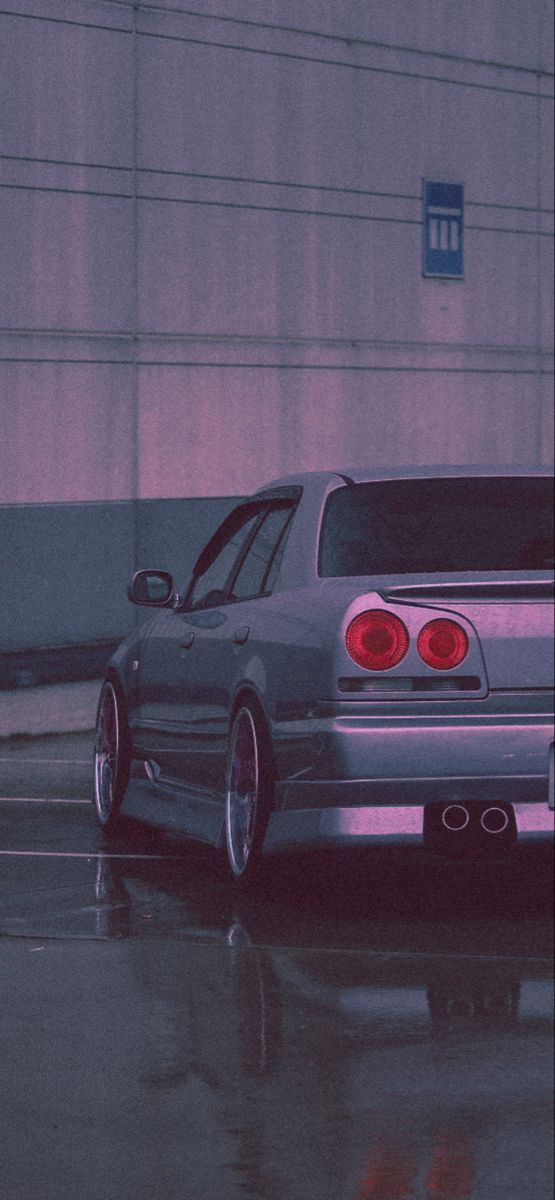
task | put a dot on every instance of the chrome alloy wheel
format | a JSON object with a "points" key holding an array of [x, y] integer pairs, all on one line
{"points": [[107, 750], [242, 792]]}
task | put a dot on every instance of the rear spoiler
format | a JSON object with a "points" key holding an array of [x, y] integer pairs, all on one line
{"points": [[507, 589]]}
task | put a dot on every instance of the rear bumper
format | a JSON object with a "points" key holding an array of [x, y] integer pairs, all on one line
{"points": [[390, 825], [383, 773], [292, 795], [366, 755]]}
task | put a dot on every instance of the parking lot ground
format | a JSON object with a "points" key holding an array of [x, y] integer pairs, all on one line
{"points": [[353, 1029]]}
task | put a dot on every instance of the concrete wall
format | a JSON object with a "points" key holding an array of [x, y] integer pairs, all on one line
{"points": [[212, 230]]}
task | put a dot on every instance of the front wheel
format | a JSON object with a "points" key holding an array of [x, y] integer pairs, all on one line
{"points": [[111, 757], [248, 793]]}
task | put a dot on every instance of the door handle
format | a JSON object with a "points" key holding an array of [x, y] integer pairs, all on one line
{"points": [[187, 641], [240, 636]]}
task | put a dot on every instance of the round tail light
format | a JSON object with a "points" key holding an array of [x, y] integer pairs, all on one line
{"points": [[377, 640], [442, 644]]}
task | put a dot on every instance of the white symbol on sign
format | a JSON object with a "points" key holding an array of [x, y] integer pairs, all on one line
{"points": [[443, 231]]}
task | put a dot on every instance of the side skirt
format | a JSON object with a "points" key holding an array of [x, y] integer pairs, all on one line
{"points": [[194, 815]]}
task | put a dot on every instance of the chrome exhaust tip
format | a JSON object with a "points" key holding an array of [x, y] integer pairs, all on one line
{"points": [[455, 817], [494, 820]]}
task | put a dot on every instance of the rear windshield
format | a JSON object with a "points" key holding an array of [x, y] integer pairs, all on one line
{"points": [[408, 526]]}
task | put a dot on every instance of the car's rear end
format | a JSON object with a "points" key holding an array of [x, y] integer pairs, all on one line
{"points": [[435, 723]]}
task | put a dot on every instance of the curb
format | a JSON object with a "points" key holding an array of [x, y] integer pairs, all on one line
{"points": [[56, 708]]}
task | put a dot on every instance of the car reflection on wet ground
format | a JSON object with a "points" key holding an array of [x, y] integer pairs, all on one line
{"points": [[353, 1029]]}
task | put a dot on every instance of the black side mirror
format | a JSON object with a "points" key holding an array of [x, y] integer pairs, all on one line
{"points": [[152, 588]]}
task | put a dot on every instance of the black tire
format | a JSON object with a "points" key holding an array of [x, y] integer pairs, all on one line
{"points": [[249, 792], [111, 755]]}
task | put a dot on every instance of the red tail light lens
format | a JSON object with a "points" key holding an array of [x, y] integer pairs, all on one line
{"points": [[442, 644], [377, 640]]}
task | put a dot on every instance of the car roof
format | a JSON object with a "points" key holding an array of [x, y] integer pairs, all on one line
{"points": [[373, 474]]}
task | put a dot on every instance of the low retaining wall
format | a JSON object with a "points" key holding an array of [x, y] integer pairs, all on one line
{"points": [[64, 575]]}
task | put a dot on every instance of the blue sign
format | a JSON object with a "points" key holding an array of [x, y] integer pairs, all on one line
{"points": [[443, 230]]}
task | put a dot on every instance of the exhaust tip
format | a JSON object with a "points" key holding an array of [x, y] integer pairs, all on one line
{"points": [[455, 817], [494, 820]]}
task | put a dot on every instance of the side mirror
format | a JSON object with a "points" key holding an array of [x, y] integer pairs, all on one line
{"points": [[152, 588]]}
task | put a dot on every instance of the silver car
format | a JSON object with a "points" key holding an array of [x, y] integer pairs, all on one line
{"points": [[358, 656]]}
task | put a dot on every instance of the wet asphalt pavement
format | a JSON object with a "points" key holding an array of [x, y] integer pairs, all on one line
{"points": [[354, 1029]]}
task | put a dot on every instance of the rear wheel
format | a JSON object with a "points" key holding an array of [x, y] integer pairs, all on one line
{"points": [[248, 792], [111, 756]]}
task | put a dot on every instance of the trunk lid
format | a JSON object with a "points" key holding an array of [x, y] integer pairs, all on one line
{"points": [[513, 619]]}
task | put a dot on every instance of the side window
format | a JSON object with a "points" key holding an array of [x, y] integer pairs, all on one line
{"points": [[209, 588], [257, 573]]}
